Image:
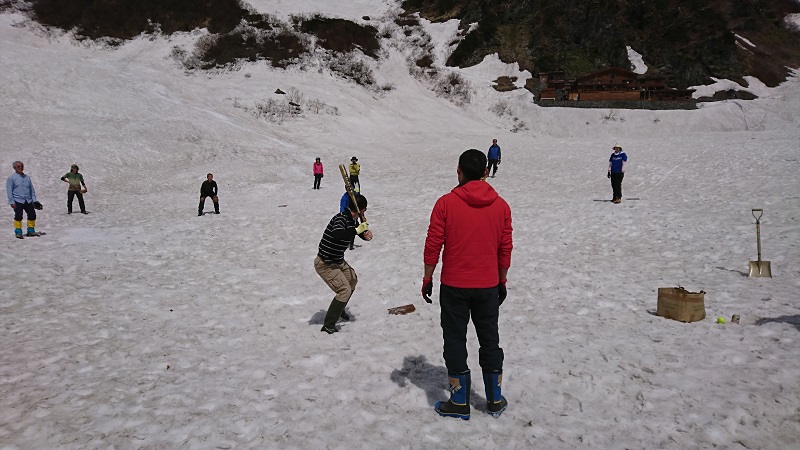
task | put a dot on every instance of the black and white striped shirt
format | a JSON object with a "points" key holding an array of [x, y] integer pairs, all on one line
{"points": [[336, 238]]}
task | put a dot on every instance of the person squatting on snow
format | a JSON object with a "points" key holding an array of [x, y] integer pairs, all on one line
{"points": [[493, 155], [208, 189], [616, 171], [473, 224], [330, 264], [355, 171], [22, 197], [76, 188], [318, 173]]}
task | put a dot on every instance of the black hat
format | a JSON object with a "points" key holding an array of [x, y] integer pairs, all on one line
{"points": [[353, 159]]}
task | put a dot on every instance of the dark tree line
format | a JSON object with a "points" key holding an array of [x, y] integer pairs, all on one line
{"points": [[687, 41]]}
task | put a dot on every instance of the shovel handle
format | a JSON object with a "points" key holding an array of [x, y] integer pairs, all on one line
{"points": [[758, 230]]}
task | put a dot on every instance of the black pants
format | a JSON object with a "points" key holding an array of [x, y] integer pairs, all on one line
{"points": [[71, 196], [492, 166], [317, 179], [28, 208], [354, 182], [483, 305], [616, 184], [203, 202]]}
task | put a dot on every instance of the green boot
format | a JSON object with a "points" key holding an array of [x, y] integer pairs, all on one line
{"points": [[334, 312]]}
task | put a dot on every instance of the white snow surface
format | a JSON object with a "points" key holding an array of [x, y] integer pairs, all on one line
{"points": [[744, 39], [793, 20], [491, 68], [754, 85], [143, 326], [636, 61], [351, 9]]}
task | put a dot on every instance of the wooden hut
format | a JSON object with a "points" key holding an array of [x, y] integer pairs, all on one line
{"points": [[610, 84]]}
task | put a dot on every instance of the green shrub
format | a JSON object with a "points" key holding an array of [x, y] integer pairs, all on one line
{"points": [[406, 21], [340, 35], [425, 61], [687, 41], [126, 19], [463, 54], [279, 46], [352, 69]]}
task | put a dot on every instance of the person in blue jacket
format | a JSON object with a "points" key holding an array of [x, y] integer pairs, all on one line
{"points": [[344, 205], [616, 171], [22, 198], [493, 157]]}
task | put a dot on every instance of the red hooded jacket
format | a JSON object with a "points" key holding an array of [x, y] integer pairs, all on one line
{"points": [[473, 224]]}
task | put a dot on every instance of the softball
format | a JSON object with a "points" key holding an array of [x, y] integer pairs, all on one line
{"points": [[720, 320]]}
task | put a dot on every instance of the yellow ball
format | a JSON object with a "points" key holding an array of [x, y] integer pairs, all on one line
{"points": [[720, 320]]}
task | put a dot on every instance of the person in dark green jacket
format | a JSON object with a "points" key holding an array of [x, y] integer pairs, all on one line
{"points": [[76, 188]]}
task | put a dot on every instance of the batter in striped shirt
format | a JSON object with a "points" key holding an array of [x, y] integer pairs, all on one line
{"points": [[330, 264]]}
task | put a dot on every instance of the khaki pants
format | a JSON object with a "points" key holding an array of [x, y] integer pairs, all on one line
{"points": [[340, 277]]}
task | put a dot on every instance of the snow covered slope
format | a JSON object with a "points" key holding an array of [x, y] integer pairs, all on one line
{"points": [[142, 325]]}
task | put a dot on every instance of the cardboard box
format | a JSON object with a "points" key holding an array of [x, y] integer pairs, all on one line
{"points": [[681, 305]]}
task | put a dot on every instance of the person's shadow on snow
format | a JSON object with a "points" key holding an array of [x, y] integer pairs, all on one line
{"points": [[791, 320], [431, 379], [744, 274], [319, 317]]}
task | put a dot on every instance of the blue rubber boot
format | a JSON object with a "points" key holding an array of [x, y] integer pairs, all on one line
{"points": [[495, 402], [31, 228], [458, 405]]}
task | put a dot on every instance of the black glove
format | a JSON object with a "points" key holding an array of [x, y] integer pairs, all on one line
{"points": [[37, 205], [427, 289], [609, 174], [501, 289]]}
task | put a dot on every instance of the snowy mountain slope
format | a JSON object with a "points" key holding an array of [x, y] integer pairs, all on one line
{"points": [[142, 325]]}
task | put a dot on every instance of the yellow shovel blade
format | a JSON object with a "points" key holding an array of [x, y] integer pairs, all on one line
{"points": [[760, 269]]}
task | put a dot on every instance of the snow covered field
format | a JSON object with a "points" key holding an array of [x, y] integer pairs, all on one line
{"points": [[142, 325]]}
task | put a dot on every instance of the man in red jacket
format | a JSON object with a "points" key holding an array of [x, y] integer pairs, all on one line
{"points": [[473, 224]]}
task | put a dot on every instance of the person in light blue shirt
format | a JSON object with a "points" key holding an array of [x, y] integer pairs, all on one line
{"points": [[22, 198]]}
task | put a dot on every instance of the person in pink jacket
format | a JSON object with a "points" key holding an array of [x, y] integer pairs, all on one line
{"points": [[318, 173]]}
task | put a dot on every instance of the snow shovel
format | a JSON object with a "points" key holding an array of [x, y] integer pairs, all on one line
{"points": [[759, 268]]}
